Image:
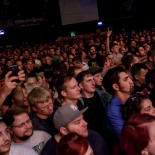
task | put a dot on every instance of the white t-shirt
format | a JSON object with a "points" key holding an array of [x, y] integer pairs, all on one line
{"points": [[19, 150], [85, 67], [36, 142]]}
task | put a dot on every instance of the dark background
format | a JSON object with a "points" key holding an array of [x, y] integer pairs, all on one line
{"points": [[119, 14]]}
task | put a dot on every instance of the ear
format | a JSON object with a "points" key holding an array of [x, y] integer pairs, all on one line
{"points": [[10, 130], [63, 93], [150, 58], [136, 77], [80, 85], [115, 86], [151, 85], [34, 108], [131, 64], [63, 131], [145, 152]]}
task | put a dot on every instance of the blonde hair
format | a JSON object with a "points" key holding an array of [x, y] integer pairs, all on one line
{"points": [[38, 95]]}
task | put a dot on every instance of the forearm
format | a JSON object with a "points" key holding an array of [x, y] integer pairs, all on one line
{"points": [[2, 98], [18, 96], [107, 46]]}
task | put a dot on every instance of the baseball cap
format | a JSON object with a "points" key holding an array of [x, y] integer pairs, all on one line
{"points": [[7, 120], [95, 70], [66, 114]]}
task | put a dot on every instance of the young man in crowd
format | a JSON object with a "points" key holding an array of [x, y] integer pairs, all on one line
{"points": [[93, 57], [42, 105], [128, 62], [150, 83], [92, 99], [37, 61], [77, 62], [117, 83], [74, 71], [138, 72], [150, 63], [22, 131], [5, 140], [104, 62], [69, 119]]}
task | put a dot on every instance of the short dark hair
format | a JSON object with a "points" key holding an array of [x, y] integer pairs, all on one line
{"points": [[150, 77], [81, 75], [61, 67], [127, 61], [71, 70], [111, 77], [136, 69], [101, 61], [151, 53], [61, 83], [77, 59]]}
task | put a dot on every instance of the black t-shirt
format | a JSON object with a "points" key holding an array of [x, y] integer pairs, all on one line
{"points": [[152, 97], [96, 112], [138, 89], [44, 124], [96, 142], [92, 61], [48, 70]]}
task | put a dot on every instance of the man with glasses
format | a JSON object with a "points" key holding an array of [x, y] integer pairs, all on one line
{"points": [[5, 140], [42, 105], [22, 131]]}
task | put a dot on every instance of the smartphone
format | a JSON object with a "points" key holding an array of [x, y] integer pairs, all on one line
{"points": [[15, 70]]}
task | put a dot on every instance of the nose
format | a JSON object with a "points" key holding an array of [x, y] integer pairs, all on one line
{"points": [[5, 137], [84, 123], [50, 106], [93, 82], [78, 88]]}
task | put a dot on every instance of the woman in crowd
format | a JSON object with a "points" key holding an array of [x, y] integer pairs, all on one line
{"points": [[74, 144], [138, 136], [138, 103]]}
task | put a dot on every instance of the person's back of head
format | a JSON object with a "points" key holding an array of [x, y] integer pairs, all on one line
{"points": [[111, 77], [150, 79], [73, 144], [77, 61], [61, 68], [128, 61], [136, 69], [101, 61], [136, 134], [74, 71], [150, 55]]}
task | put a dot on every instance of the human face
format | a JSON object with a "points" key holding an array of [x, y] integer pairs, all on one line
{"points": [[125, 83], [48, 60], [111, 59], [19, 64], [29, 65], [133, 44], [70, 58], [5, 139], [26, 53], [142, 52], [141, 77], [21, 128], [3, 61], [146, 107], [45, 108], [34, 55], [40, 81], [122, 51], [89, 151], [98, 79], [92, 50], [52, 52], [72, 90], [79, 126], [115, 49], [26, 103], [9, 63], [88, 84]]}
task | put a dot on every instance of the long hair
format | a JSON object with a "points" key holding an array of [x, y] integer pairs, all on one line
{"points": [[135, 135]]}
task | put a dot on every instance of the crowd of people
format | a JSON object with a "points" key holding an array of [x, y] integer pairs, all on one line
{"points": [[82, 96]]}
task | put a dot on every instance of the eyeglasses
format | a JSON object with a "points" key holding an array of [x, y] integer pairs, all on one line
{"points": [[46, 107], [23, 124]]}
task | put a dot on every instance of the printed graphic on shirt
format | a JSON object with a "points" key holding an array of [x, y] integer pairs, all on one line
{"points": [[39, 147]]}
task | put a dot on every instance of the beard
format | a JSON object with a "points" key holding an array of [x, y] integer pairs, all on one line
{"points": [[6, 151], [25, 137]]}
